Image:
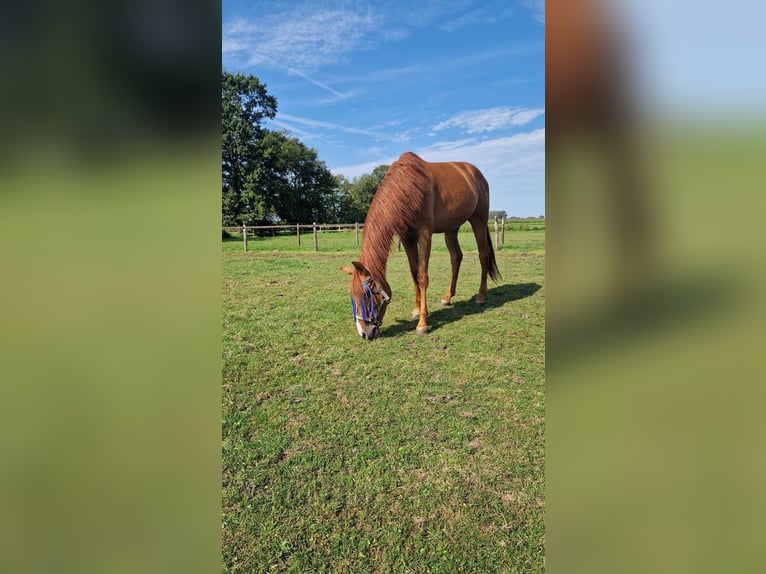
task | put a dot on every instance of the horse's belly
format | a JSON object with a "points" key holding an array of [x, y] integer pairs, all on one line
{"points": [[451, 215], [446, 223]]}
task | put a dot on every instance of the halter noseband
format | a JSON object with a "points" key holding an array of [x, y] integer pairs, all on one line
{"points": [[367, 306]]}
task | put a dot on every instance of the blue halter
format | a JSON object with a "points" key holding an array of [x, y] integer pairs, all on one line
{"points": [[367, 306]]}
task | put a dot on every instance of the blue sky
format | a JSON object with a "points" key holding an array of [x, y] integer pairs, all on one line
{"points": [[363, 81], [708, 67]]}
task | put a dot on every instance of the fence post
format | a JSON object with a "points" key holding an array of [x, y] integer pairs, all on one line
{"points": [[244, 235], [316, 243], [497, 244], [356, 232], [298, 229], [502, 233]]}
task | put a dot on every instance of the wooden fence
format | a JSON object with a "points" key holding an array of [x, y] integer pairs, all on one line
{"points": [[298, 229]]}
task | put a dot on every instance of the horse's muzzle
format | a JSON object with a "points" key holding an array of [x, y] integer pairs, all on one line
{"points": [[371, 334]]}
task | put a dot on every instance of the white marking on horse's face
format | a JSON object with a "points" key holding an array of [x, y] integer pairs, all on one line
{"points": [[367, 331]]}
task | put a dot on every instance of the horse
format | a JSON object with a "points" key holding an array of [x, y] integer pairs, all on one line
{"points": [[416, 199], [589, 95]]}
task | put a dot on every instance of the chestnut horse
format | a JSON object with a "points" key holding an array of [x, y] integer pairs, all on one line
{"points": [[589, 92], [415, 200]]}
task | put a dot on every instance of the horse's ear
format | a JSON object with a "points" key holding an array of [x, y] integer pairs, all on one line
{"points": [[347, 269], [361, 269]]}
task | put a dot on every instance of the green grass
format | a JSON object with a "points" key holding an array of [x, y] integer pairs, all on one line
{"points": [[405, 454], [346, 241]]}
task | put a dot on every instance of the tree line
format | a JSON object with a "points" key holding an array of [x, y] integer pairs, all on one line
{"points": [[268, 176]]}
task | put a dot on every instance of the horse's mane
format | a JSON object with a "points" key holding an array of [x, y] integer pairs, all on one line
{"points": [[393, 210]]}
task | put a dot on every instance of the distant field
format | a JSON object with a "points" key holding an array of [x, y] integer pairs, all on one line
{"points": [[345, 240], [405, 454]]}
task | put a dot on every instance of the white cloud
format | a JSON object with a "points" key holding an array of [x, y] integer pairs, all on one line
{"points": [[333, 127], [352, 171], [519, 154], [477, 121], [537, 8], [486, 13], [303, 38], [514, 167], [373, 76], [307, 136], [337, 95], [311, 35]]}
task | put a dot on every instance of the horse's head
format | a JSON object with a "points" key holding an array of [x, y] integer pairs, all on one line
{"points": [[369, 300]]}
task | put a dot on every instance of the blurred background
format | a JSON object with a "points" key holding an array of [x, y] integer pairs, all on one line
{"points": [[655, 121], [110, 291]]}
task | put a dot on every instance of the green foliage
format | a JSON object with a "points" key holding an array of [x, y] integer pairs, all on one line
{"points": [[268, 175], [245, 103], [356, 195], [298, 186], [497, 213]]}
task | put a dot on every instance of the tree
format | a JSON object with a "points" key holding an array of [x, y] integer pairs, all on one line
{"points": [[297, 185], [245, 103], [356, 195], [499, 214], [268, 175], [366, 186], [345, 210]]}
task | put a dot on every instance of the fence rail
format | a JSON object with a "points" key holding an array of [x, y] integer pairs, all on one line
{"points": [[315, 229], [499, 229], [319, 226]]}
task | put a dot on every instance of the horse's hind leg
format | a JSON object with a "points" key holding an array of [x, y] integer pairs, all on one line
{"points": [[455, 256], [480, 231]]}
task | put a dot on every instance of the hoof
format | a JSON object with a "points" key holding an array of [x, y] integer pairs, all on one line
{"points": [[444, 303], [421, 331], [480, 301], [415, 315]]}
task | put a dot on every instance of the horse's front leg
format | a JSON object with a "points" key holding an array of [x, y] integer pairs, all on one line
{"points": [[411, 249], [424, 254]]}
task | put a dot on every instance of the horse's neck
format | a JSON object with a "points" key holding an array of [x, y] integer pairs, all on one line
{"points": [[375, 249]]}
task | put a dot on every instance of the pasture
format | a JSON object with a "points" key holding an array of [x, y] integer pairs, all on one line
{"points": [[405, 454]]}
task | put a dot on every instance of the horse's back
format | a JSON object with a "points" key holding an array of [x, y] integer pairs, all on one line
{"points": [[448, 193], [460, 193]]}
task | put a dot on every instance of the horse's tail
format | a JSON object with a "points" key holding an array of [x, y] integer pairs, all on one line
{"points": [[492, 269]]}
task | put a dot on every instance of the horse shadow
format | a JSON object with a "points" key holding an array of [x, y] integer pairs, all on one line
{"points": [[496, 297], [662, 307]]}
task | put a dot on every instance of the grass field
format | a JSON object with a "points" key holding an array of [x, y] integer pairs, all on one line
{"points": [[405, 454]]}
